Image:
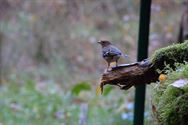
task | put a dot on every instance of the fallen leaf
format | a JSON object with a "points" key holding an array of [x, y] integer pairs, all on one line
{"points": [[180, 83]]}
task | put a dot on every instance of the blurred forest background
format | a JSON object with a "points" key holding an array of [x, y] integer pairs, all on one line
{"points": [[51, 63]]}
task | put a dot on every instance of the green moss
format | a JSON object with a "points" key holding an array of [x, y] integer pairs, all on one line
{"points": [[185, 71], [177, 112], [172, 102], [171, 54]]}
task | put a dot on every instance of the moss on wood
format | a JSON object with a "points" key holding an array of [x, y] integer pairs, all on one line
{"points": [[170, 102], [170, 55]]}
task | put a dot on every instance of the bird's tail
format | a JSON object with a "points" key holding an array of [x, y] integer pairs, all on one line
{"points": [[126, 57]]}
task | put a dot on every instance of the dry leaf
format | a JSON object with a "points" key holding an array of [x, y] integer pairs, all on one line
{"points": [[180, 83], [98, 90]]}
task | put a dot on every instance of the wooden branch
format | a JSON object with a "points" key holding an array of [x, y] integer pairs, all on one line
{"points": [[144, 72]]}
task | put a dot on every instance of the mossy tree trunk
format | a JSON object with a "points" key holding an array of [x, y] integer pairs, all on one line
{"points": [[145, 72]]}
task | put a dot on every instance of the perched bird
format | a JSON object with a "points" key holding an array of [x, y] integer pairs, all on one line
{"points": [[110, 52]]}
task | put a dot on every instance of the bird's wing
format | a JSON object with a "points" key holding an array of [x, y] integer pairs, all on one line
{"points": [[111, 51], [115, 50], [118, 52]]}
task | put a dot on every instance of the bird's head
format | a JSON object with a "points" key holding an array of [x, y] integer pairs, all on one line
{"points": [[104, 43]]}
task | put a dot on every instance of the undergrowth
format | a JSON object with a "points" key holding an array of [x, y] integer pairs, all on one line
{"points": [[170, 98]]}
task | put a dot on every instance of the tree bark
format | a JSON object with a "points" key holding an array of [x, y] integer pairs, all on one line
{"points": [[127, 75], [4, 7], [183, 30], [1, 39]]}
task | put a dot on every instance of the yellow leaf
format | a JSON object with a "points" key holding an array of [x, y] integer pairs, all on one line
{"points": [[99, 90]]}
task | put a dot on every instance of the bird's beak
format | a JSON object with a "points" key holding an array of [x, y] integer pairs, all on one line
{"points": [[99, 42]]}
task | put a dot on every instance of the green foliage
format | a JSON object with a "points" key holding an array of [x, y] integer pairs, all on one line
{"points": [[107, 90], [171, 102], [83, 86], [35, 103], [185, 71], [24, 104]]}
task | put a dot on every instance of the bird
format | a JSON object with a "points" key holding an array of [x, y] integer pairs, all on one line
{"points": [[110, 52]]}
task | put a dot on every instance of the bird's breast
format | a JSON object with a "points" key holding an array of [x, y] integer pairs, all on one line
{"points": [[111, 58]]}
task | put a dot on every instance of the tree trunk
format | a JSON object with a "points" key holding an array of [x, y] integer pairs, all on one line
{"points": [[183, 30]]}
